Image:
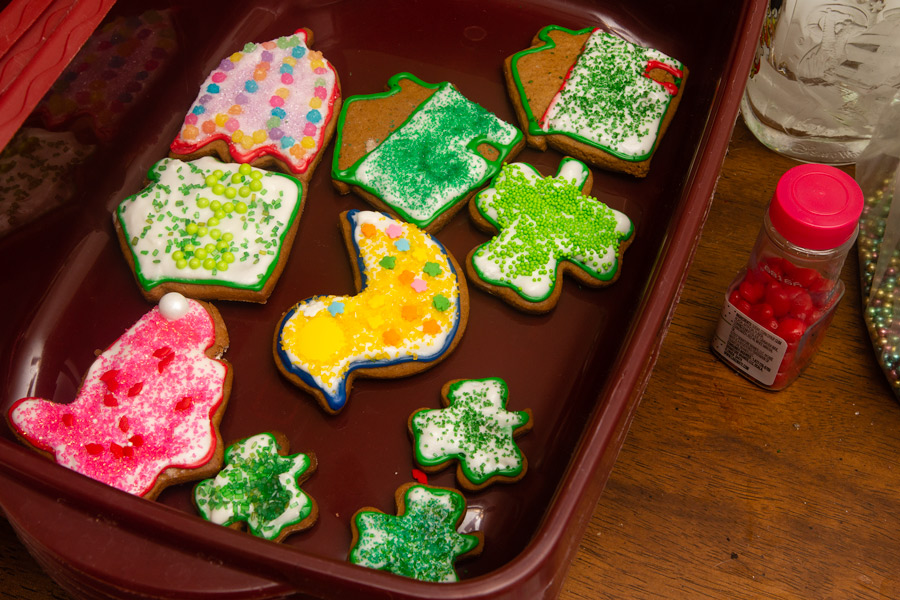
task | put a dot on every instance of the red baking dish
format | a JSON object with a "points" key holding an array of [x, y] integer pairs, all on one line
{"points": [[581, 369]]}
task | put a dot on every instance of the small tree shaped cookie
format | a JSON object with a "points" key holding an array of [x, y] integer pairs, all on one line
{"points": [[474, 429], [422, 541], [545, 226], [260, 487]]}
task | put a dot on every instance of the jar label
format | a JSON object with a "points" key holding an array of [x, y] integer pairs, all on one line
{"points": [[748, 346]]}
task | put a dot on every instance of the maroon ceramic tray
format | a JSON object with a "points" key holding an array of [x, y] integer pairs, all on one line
{"points": [[581, 369]]}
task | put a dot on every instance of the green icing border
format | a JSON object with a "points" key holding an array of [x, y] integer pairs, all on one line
{"points": [[534, 128]]}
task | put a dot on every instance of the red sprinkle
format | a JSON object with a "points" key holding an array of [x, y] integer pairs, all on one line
{"points": [[136, 389], [162, 352], [136, 440], [93, 448], [123, 424], [420, 476], [164, 362], [116, 450], [185, 403], [109, 378], [68, 420], [110, 400]]}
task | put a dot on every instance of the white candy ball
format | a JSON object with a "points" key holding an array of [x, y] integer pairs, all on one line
{"points": [[173, 306]]}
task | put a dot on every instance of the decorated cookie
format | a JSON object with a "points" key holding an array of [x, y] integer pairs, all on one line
{"points": [[474, 429], [410, 312], [113, 70], [545, 226], [260, 488], [614, 103], [148, 411], [422, 541], [419, 151], [37, 168], [210, 230], [269, 104]]}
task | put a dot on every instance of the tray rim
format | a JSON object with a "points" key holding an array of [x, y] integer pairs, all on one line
{"points": [[600, 444]]}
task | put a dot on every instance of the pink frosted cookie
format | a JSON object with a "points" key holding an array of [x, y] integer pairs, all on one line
{"points": [[148, 411], [269, 104]]}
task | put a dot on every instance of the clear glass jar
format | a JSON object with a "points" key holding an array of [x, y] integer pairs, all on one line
{"points": [[778, 307]]}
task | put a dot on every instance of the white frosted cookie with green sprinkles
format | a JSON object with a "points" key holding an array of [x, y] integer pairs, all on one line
{"points": [[422, 541], [597, 97], [545, 227], [210, 230], [259, 488], [475, 430], [419, 150]]}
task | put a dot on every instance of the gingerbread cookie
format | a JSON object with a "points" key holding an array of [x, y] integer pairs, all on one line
{"points": [[210, 230], [615, 102], [270, 104], [419, 150], [474, 429], [421, 542], [545, 226], [260, 488], [410, 312], [148, 411]]}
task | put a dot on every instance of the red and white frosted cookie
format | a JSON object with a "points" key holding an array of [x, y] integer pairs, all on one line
{"points": [[148, 411], [270, 104]]}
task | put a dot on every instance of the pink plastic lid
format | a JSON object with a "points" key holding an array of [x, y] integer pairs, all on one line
{"points": [[816, 206]]}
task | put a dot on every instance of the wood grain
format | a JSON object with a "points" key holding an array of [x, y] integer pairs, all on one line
{"points": [[724, 490]]}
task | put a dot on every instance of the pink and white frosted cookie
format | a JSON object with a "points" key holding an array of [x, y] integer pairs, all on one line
{"points": [[270, 104], [148, 411]]}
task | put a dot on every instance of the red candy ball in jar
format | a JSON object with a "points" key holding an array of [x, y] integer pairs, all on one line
{"points": [[780, 304]]}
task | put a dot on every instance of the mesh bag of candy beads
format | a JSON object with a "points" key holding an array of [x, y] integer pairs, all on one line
{"points": [[878, 175]]}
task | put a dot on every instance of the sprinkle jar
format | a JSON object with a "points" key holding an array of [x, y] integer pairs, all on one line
{"points": [[778, 307]]}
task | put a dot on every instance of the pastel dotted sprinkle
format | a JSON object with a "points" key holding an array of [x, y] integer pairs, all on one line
{"points": [[336, 308], [420, 285], [394, 231], [432, 268], [402, 245]]}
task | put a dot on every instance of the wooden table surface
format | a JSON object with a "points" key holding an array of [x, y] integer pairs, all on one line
{"points": [[724, 490]]}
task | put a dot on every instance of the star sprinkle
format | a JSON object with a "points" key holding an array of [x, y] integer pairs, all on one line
{"points": [[422, 541], [476, 429], [544, 222], [260, 487]]}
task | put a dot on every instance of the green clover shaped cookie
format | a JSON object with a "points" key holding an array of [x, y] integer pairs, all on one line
{"points": [[476, 430], [544, 226], [422, 541], [260, 486]]}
